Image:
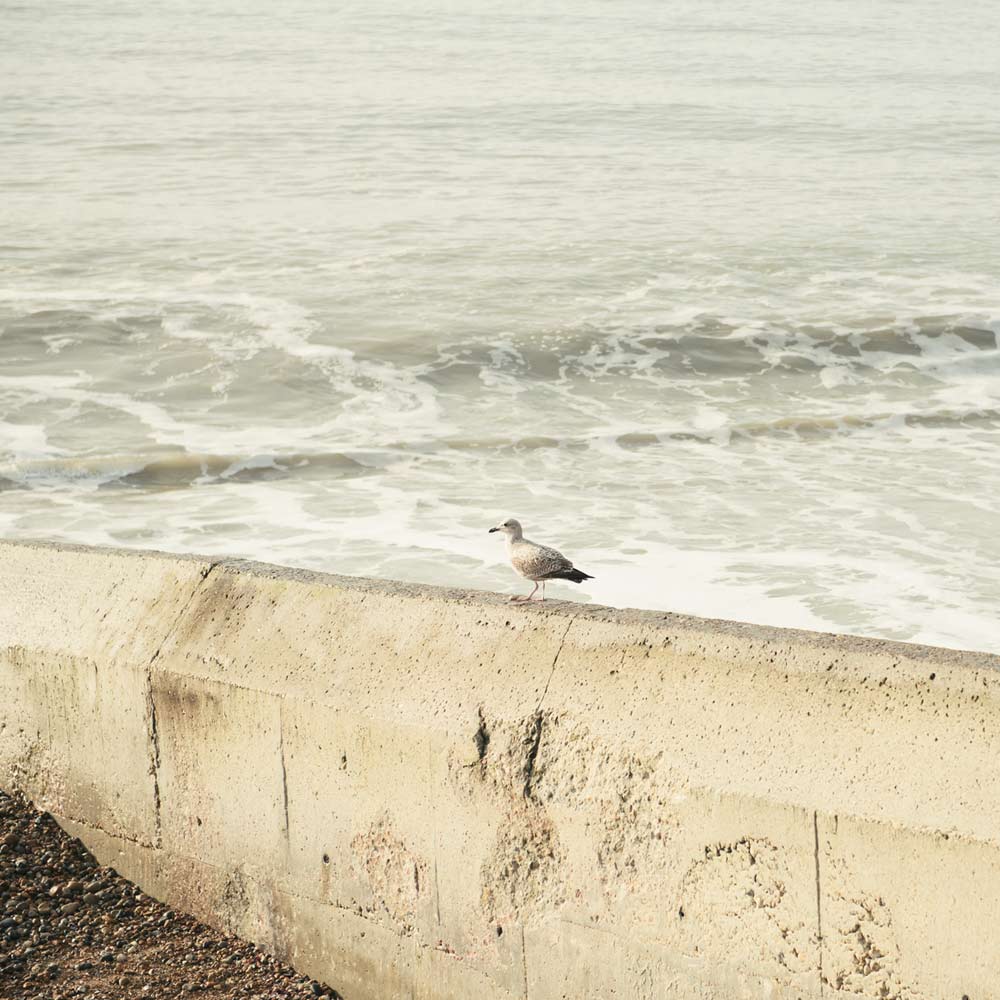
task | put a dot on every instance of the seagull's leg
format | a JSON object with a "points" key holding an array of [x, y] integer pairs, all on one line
{"points": [[542, 598], [519, 597]]}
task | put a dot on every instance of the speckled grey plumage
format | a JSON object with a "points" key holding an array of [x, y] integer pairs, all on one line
{"points": [[536, 562]]}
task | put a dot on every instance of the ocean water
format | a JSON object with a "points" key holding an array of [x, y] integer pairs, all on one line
{"points": [[707, 295]]}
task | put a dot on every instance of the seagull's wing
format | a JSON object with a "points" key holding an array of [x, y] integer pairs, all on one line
{"points": [[537, 562]]}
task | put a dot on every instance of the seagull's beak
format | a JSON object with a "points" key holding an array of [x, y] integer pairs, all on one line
{"points": [[490, 532]]}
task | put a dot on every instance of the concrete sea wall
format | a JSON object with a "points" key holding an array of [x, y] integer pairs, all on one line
{"points": [[418, 793]]}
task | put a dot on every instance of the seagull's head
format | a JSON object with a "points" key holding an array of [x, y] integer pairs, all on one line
{"points": [[509, 527]]}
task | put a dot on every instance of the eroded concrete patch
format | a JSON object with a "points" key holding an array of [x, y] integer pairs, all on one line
{"points": [[398, 878]]}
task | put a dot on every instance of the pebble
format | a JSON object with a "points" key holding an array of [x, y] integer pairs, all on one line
{"points": [[58, 906]]}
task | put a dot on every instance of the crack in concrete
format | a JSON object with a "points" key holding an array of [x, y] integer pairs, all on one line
{"points": [[183, 611], [524, 962], [819, 908], [536, 742], [555, 660], [154, 736], [154, 753], [284, 772], [437, 890], [117, 834], [538, 719], [434, 829]]}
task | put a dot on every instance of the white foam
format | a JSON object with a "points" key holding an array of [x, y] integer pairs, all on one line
{"points": [[23, 442], [796, 490]]}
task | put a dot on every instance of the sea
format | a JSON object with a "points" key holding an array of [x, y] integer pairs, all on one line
{"points": [[707, 295]]}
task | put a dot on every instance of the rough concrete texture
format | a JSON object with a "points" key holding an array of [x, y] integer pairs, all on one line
{"points": [[426, 794]]}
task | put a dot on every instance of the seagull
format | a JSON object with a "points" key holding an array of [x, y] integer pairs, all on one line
{"points": [[536, 562]]}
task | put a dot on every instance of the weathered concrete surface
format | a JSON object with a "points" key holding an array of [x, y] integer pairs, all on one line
{"points": [[419, 793]]}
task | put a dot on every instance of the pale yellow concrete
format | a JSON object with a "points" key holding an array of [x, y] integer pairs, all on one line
{"points": [[78, 631], [418, 793]]}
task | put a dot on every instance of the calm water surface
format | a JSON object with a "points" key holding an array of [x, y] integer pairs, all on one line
{"points": [[707, 295]]}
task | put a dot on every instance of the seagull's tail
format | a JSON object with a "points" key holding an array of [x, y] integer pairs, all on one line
{"points": [[575, 575]]}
